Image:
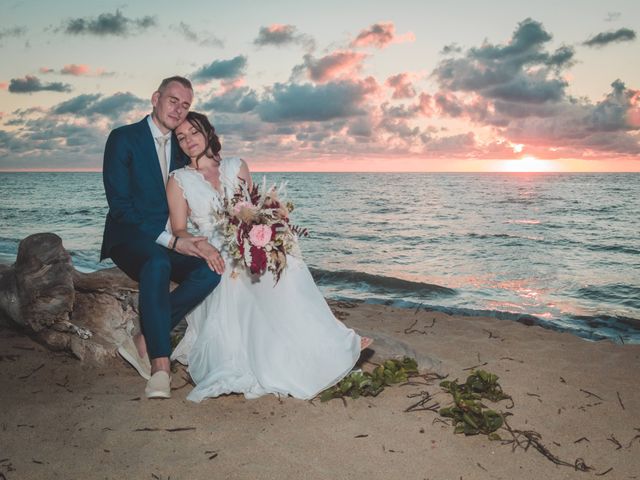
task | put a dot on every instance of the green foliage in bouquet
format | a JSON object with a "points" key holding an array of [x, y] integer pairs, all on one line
{"points": [[469, 415], [365, 384]]}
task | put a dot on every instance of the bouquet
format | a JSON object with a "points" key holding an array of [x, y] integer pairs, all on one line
{"points": [[257, 230]]}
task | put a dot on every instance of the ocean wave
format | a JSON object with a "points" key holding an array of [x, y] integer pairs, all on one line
{"points": [[486, 236], [619, 329], [614, 248], [619, 294], [380, 283]]}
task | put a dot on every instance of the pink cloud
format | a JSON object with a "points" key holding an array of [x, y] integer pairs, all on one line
{"points": [[633, 113], [380, 35], [425, 105], [75, 70], [4, 85], [231, 84], [341, 64], [280, 29], [45, 70], [402, 86]]}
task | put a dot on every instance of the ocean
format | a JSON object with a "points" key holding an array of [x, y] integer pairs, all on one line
{"points": [[557, 249]]}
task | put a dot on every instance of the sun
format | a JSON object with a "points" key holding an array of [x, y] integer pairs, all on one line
{"points": [[528, 164]]}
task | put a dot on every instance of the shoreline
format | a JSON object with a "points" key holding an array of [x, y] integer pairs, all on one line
{"points": [[590, 330], [63, 419]]}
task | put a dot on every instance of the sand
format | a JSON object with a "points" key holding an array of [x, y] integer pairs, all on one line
{"points": [[60, 419]]}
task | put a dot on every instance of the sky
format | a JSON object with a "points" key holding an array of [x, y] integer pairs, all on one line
{"points": [[350, 85]]}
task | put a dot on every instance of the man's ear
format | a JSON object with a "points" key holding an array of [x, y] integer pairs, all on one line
{"points": [[154, 98]]}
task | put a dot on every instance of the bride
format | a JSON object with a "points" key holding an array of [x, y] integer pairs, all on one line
{"points": [[251, 335]]}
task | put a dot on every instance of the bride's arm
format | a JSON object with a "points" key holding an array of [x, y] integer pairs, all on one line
{"points": [[245, 174], [178, 209], [187, 244]]}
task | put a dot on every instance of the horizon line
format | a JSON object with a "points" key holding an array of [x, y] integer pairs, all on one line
{"points": [[95, 170]]}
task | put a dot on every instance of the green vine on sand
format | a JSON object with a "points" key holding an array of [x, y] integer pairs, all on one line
{"points": [[469, 415], [366, 384]]}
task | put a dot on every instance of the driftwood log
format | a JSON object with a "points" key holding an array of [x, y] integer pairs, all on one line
{"points": [[87, 314]]}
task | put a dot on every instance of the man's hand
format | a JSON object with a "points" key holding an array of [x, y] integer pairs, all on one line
{"points": [[189, 246], [212, 256]]}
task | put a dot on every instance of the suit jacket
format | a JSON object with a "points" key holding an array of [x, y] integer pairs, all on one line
{"points": [[134, 187]]}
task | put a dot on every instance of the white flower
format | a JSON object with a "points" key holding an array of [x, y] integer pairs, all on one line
{"points": [[247, 252]]}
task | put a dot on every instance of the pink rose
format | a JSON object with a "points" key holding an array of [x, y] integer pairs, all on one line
{"points": [[260, 235]]}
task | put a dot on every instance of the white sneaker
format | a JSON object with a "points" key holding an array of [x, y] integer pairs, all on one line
{"points": [[129, 352], [159, 385]]}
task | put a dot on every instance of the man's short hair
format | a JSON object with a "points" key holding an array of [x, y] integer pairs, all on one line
{"points": [[176, 78]]}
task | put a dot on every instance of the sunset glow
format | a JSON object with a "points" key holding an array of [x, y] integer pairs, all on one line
{"points": [[529, 164]]}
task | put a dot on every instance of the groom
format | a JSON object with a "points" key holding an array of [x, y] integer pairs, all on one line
{"points": [[137, 160]]}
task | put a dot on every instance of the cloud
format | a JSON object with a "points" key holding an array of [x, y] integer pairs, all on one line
{"points": [[519, 91], [613, 16], [81, 70], [334, 65], [399, 128], [75, 70], [401, 85], [221, 69], [204, 39], [361, 127], [306, 102], [112, 107], [30, 84], [581, 128], [605, 38], [563, 57], [11, 32], [399, 111], [70, 134], [381, 35], [44, 143], [84, 71], [235, 100], [518, 71], [4, 85], [75, 105], [451, 49], [461, 143], [105, 24], [279, 35]]}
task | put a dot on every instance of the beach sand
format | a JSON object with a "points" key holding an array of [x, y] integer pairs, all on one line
{"points": [[60, 419]]}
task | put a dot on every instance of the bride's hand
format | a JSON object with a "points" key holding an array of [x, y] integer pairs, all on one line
{"points": [[189, 246], [212, 256]]}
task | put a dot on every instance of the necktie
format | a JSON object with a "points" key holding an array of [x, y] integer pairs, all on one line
{"points": [[162, 156]]}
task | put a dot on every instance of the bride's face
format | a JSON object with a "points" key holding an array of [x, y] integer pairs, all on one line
{"points": [[192, 142]]}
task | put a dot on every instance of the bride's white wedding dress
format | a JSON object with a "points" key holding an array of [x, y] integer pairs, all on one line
{"points": [[253, 336]]}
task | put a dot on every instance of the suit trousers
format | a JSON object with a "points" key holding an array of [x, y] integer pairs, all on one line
{"points": [[153, 267]]}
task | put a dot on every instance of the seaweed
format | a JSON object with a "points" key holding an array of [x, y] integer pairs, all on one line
{"points": [[468, 414], [370, 384]]}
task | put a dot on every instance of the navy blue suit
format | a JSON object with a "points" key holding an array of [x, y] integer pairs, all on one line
{"points": [[138, 212]]}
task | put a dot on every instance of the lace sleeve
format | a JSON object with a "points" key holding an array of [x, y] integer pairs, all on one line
{"points": [[178, 176]]}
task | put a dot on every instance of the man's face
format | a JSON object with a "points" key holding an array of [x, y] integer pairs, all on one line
{"points": [[170, 107]]}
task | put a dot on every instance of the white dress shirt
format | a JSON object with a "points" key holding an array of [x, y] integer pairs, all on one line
{"points": [[165, 237]]}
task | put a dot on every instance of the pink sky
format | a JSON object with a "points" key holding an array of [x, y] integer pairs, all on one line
{"points": [[385, 90]]}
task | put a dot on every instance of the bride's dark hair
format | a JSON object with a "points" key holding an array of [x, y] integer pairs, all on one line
{"points": [[202, 124]]}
